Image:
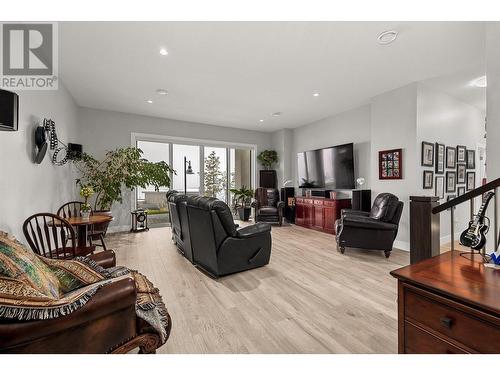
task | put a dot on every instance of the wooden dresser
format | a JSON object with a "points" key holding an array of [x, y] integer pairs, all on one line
{"points": [[448, 304], [319, 213]]}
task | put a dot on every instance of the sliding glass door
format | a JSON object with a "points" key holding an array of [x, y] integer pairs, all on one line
{"points": [[210, 170]]}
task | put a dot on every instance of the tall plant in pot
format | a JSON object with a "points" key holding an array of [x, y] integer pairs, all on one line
{"points": [[268, 158], [243, 198], [123, 168]]}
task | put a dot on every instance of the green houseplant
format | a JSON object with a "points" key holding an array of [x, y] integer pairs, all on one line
{"points": [[268, 158], [120, 168], [243, 198], [86, 192]]}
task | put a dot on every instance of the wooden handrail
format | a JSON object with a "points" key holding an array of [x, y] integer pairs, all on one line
{"points": [[467, 196]]}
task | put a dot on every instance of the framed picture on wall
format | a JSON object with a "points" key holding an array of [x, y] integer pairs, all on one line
{"points": [[460, 173], [439, 187], [390, 164], [427, 154], [461, 154], [451, 157], [471, 181], [428, 179], [460, 190], [439, 148], [471, 159], [451, 182]]}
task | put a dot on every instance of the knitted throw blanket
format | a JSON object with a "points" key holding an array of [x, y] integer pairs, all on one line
{"points": [[38, 288]]}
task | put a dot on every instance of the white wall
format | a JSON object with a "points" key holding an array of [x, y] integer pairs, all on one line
{"points": [[493, 100], [101, 131], [351, 126], [394, 125], [444, 119], [27, 188]]}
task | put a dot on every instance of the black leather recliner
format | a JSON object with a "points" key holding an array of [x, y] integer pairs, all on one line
{"points": [[267, 205], [375, 230], [180, 224], [219, 248]]}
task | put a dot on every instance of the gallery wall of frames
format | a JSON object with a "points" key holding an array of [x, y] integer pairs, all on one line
{"points": [[451, 169]]}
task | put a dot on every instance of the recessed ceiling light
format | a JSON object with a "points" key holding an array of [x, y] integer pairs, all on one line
{"points": [[387, 37], [162, 92], [316, 94], [480, 82], [163, 52], [276, 114], [261, 120], [149, 101]]}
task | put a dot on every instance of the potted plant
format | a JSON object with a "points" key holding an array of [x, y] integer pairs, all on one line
{"points": [[120, 168], [268, 158], [86, 192], [243, 198]]}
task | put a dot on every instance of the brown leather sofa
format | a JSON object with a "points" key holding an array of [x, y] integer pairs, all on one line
{"points": [[106, 324]]}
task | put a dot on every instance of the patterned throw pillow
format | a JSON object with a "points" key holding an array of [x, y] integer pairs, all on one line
{"points": [[19, 263]]}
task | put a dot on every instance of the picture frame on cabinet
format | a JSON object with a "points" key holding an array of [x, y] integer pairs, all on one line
{"points": [[428, 180], [427, 159], [451, 157], [451, 181], [440, 157]]}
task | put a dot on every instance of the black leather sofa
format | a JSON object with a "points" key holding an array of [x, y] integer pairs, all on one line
{"points": [[219, 247], [177, 204], [267, 205], [374, 230]]}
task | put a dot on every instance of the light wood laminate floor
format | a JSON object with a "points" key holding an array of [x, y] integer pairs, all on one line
{"points": [[309, 299]]}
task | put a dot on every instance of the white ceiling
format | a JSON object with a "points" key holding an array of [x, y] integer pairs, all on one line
{"points": [[235, 73]]}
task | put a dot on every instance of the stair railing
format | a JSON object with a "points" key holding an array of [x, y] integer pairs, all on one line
{"points": [[469, 196]]}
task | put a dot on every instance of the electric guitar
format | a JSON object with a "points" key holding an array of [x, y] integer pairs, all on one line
{"points": [[475, 236]]}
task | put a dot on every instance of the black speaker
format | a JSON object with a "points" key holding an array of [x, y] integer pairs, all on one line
{"points": [[9, 110], [362, 200], [75, 150], [288, 196]]}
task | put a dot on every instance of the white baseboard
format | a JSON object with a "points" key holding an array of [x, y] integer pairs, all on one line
{"points": [[402, 245], [118, 228]]}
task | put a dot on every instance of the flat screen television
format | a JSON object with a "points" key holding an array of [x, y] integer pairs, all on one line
{"points": [[329, 168], [9, 110]]}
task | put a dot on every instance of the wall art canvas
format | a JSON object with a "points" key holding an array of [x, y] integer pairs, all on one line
{"points": [[461, 173], [461, 154], [471, 159], [471, 180], [428, 179], [440, 150], [439, 187], [451, 157], [427, 154], [451, 182], [460, 190], [390, 164]]}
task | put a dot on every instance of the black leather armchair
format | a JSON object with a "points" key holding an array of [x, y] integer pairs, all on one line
{"points": [[375, 230], [267, 205], [180, 224], [219, 248]]}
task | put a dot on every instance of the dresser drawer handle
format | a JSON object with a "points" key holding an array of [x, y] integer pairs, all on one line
{"points": [[446, 322]]}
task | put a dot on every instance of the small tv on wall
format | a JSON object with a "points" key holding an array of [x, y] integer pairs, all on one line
{"points": [[327, 168], [9, 110]]}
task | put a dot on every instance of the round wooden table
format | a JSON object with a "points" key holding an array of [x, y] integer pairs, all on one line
{"points": [[82, 225]]}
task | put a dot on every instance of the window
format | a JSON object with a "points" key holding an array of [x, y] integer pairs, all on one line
{"points": [[192, 155]]}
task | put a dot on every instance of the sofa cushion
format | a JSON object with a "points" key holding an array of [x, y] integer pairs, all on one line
{"points": [[19, 263], [384, 207]]}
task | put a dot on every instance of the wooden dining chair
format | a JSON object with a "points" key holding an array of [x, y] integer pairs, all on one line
{"points": [[72, 209], [47, 235]]}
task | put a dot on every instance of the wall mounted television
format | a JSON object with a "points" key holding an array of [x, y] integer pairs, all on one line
{"points": [[9, 110], [327, 168]]}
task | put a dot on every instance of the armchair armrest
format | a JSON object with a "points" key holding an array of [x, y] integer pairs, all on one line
{"points": [[254, 230], [280, 205], [109, 299], [105, 259], [367, 223]]}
